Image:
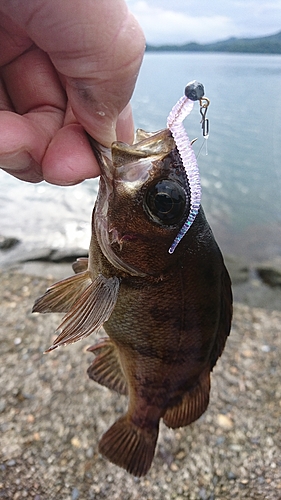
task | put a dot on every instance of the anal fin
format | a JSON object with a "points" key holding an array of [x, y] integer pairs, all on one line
{"points": [[106, 368], [192, 405], [129, 446]]}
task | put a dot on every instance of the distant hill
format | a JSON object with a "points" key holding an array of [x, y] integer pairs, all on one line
{"points": [[263, 45]]}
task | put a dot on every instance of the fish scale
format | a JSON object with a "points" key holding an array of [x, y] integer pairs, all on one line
{"points": [[166, 316]]}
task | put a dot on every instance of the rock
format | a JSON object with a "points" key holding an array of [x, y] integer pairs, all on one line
{"points": [[224, 421], [75, 494], [68, 254], [8, 242], [270, 272], [22, 254], [238, 269]]}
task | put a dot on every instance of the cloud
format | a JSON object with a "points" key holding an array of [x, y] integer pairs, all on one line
{"points": [[206, 21], [173, 26]]}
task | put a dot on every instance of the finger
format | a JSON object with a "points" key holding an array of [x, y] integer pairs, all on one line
{"points": [[32, 82], [5, 102], [69, 158], [125, 126], [13, 39], [99, 50], [24, 140]]}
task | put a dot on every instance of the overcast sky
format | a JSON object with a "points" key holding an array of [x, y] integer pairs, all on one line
{"points": [[180, 21]]}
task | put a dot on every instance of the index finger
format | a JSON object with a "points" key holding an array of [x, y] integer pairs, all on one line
{"points": [[97, 47]]}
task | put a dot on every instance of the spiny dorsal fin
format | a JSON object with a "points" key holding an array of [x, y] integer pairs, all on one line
{"points": [[129, 446], [61, 296], [106, 368], [193, 404]]}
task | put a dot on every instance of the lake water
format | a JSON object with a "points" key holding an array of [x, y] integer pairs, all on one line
{"points": [[241, 175]]}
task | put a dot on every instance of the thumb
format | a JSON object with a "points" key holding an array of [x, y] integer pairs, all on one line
{"points": [[97, 48]]}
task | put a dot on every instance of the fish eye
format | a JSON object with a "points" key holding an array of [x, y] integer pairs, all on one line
{"points": [[165, 202]]}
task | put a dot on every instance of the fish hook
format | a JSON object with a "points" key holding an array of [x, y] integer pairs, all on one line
{"points": [[194, 91]]}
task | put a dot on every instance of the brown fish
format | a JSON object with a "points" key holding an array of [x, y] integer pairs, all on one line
{"points": [[167, 317]]}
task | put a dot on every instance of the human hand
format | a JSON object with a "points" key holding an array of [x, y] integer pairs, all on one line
{"points": [[65, 66]]}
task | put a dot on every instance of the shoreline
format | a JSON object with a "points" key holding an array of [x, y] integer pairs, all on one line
{"points": [[256, 284], [52, 416]]}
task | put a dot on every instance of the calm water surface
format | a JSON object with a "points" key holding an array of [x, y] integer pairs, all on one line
{"points": [[241, 175]]}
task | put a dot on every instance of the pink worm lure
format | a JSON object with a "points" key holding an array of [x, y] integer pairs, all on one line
{"points": [[194, 91]]}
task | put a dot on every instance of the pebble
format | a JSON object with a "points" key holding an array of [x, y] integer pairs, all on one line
{"points": [[76, 442], [224, 421], [3, 405], [69, 413], [75, 494], [180, 455], [265, 348], [90, 452], [11, 463]]}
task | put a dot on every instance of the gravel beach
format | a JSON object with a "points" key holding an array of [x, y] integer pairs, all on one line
{"points": [[52, 415]]}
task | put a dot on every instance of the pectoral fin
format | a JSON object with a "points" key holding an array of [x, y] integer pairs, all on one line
{"points": [[61, 296], [89, 303], [106, 368], [192, 405]]}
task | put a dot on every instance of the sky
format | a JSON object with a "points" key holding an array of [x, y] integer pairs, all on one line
{"points": [[203, 21]]}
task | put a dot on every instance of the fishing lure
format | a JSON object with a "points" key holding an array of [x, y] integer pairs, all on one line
{"points": [[194, 91]]}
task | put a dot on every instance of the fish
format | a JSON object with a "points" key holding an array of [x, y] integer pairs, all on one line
{"points": [[164, 317]]}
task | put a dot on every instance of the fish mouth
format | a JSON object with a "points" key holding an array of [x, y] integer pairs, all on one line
{"points": [[130, 165]]}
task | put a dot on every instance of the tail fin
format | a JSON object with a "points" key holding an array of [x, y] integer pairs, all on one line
{"points": [[129, 446]]}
